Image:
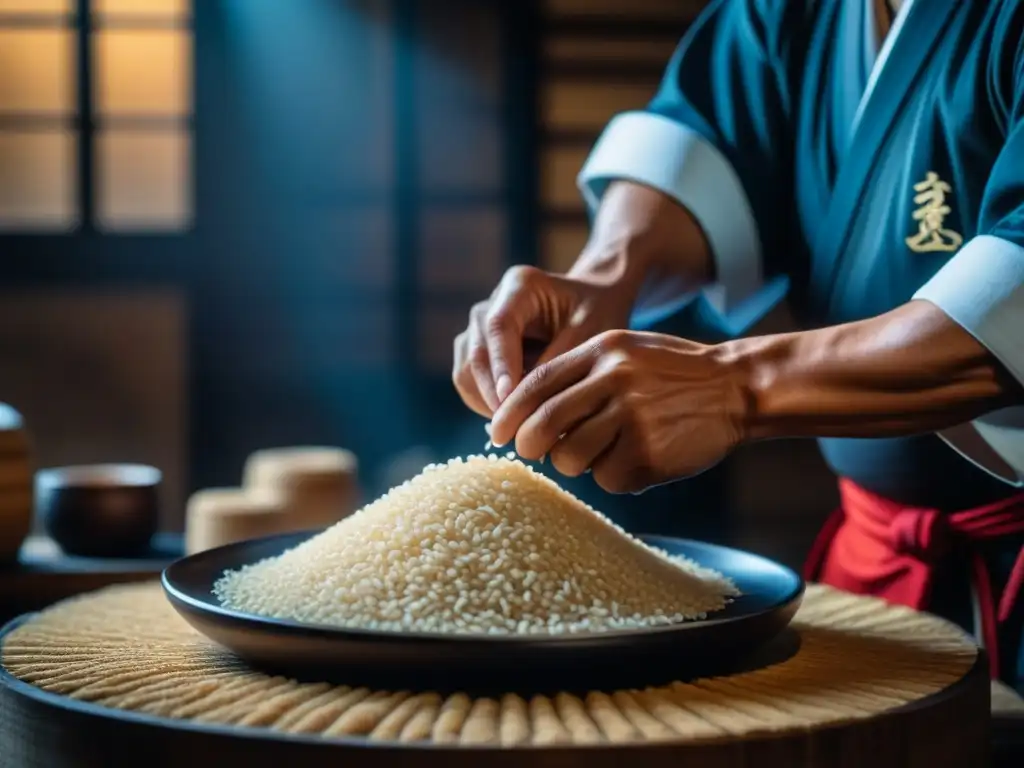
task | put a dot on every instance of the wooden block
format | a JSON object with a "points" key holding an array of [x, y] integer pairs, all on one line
{"points": [[319, 485], [218, 516]]}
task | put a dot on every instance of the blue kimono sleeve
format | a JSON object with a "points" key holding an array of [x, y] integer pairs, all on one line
{"points": [[982, 289], [717, 138]]}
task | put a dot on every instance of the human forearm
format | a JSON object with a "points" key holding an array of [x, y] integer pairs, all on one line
{"points": [[642, 239], [909, 371]]}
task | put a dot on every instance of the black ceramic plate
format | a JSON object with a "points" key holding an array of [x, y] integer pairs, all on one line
{"points": [[728, 640]]}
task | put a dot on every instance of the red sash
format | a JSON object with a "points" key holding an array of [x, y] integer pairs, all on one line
{"points": [[871, 545]]}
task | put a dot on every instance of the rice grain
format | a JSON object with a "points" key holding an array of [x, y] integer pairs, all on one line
{"points": [[482, 545]]}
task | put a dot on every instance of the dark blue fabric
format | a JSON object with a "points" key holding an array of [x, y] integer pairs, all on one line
{"points": [[733, 80]]}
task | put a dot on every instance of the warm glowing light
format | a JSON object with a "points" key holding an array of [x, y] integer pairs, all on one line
{"points": [[37, 183], [143, 180], [36, 73], [143, 176], [143, 72], [157, 8], [37, 7]]}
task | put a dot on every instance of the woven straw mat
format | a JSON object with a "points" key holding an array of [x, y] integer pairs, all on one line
{"points": [[125, 647]]}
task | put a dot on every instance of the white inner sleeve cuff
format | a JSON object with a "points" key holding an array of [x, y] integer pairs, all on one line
{"points": [[658, 152], [982, 289]]}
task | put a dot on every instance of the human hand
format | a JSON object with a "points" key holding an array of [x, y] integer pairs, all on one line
{"points": [[530, 308], [636, 409]]}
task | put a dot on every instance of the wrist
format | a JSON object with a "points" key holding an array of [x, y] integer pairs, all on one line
{"points": [[763, 373], [621, 267], [641, 237]]}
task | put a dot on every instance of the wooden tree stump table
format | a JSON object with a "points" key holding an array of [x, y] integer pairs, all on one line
{"points": [[116, 678]]}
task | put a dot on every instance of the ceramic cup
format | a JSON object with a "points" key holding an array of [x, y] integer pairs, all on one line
{"points": [[99, 510]]}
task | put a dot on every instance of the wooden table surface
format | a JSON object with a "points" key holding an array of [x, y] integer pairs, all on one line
{"points": [[43, 574]]}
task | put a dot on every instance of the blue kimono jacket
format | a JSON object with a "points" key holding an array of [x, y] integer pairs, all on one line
{"points": [[854, 175]]}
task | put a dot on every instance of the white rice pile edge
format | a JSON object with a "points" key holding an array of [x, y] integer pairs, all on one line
{"points": [[477, 545]]}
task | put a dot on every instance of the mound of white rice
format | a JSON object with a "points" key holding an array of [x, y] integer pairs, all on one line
{"points": [[483, 545]]}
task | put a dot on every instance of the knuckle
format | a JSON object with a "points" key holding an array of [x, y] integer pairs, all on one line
{"points": [[497, 320], [614, 340], [632, 412], [478, 358], [547, 417], [615, 354], [462, 377], [479, 309], [523, 275], [619, 368], [536, 378]]}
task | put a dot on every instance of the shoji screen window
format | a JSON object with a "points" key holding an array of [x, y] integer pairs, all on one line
{"points": [[39, 125], [142, 105], [96, 115]]}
